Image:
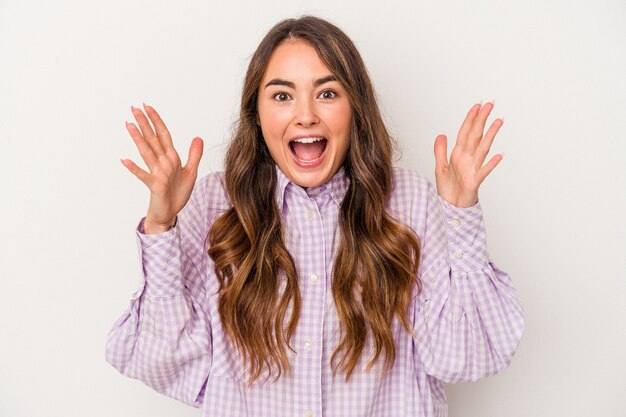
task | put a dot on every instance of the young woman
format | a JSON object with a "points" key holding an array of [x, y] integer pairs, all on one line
{"points": [[312, 278]]}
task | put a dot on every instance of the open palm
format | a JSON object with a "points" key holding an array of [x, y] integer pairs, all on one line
{"points": [[169, 182], [458, 180]]}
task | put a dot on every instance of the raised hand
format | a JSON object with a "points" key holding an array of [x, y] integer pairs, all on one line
{"points": [[170, 184], [458, 180]]}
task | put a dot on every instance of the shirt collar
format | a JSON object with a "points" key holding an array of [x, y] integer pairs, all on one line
{"points": [[337, 186]]}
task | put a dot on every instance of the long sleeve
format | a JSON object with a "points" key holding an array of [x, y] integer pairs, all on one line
{"points": [[164, 338], [468, 318]]}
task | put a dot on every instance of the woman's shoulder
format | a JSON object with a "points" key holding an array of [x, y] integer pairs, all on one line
{"points": [[409, 197], [406, 180], [215, 178], [211, 191]]}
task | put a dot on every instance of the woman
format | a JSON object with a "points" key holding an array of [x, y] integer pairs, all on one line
{"points": [[312, 278]]}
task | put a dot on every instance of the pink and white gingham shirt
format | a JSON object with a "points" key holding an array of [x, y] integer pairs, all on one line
{"points": [[468, 319]]}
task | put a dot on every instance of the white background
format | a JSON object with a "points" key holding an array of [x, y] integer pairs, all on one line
{"points": [[554, 207]]}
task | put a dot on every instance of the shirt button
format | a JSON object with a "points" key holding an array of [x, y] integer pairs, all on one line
{"points": [[313, 278], [308, 345], [311, 213], [455, 223], [458, 255], [315, 191], [309, 413]]}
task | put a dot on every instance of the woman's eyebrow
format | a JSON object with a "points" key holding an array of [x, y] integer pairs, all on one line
{"points": [[318, 82]]}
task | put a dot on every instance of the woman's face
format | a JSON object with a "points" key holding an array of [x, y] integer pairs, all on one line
{"points": [[304, 113]]}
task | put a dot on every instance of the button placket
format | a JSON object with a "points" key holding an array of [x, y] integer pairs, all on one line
{"points": [[313, 226], [455, 223]]}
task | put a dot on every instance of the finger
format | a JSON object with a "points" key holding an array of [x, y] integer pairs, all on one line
{"points": [[144, 149], [476, 133], [195, 153], [485, 144], [147, 132], [441, 153], [136, 171], [161, 130], [467, 125], [489, 166]]}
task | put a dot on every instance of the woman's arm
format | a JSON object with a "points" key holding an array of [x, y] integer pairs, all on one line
{"points": [[164, 338], [468, 318]]}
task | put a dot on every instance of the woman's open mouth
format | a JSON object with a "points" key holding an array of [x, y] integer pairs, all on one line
{"points": [[308, 152]]}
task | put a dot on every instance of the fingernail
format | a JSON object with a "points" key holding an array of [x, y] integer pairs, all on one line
{"points": [[502, 119], [144, 105], [502, 155], [132, 108]]}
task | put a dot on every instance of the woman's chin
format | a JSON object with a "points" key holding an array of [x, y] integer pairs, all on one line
{"points": [[309, 177], [308, 180]]}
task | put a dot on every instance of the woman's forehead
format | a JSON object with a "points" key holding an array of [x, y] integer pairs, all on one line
{"points": [[297, 61]]}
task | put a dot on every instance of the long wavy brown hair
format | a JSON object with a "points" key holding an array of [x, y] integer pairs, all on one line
{"points": [[376, 252]]}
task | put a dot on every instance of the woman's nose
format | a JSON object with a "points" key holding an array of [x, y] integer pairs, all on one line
{"points": [[305, 113]]}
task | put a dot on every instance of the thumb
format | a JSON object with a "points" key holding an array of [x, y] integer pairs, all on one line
{"points": [[195, 153], [441, 153]]}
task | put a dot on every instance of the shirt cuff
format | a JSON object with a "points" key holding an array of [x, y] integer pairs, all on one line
{"points": [[467, 240], [160, 261]]}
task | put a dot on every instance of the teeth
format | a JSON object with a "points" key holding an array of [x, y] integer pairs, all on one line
{"points": [[308, 140]]}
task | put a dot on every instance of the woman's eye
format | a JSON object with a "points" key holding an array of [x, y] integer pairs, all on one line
{"points": [[328, 94], [281, 96]]}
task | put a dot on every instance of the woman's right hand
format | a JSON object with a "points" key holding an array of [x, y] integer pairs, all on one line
{"points": [[170, 184]]}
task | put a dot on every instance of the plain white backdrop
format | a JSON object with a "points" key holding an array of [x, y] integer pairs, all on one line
{"points": [[554, 207]]}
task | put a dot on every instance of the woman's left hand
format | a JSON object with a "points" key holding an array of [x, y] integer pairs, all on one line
{"points": [[458, 181]]}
